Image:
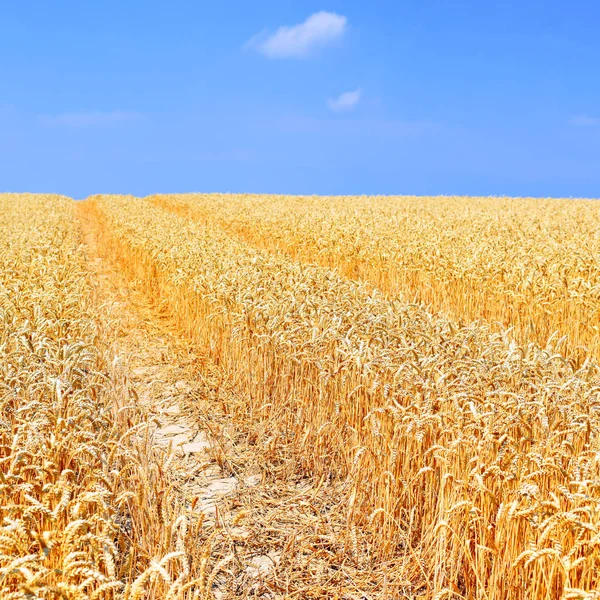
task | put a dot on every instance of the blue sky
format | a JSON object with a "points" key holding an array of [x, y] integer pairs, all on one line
{"points": [[353, 97]]}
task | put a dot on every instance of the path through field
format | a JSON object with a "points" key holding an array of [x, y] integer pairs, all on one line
{"points": [[275, 535], [163, 376], [161, 372]]}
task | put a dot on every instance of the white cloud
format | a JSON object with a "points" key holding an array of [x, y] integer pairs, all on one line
{"points": [[302, 40], [90, 119], [345, 101], [584, 121]]}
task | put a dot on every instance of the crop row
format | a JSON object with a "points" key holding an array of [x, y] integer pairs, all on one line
{"points": [[528, 264]]}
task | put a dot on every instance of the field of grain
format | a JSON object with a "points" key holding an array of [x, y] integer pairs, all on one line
{"points": [[225, 396]]}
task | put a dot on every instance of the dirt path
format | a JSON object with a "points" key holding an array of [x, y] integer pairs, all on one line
{"points": [[162, 374]]}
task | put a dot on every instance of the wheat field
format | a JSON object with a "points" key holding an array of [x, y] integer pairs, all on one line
{"points": [[241, 396]]}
